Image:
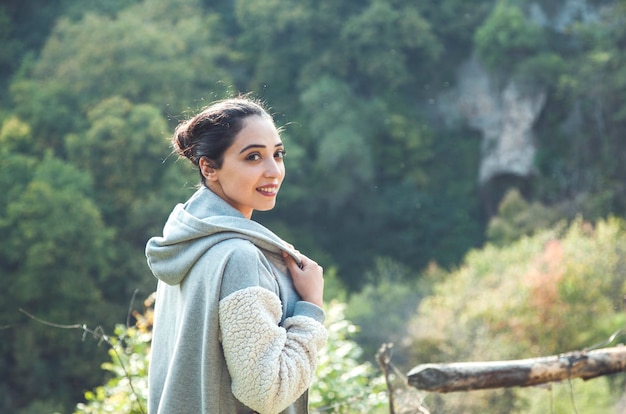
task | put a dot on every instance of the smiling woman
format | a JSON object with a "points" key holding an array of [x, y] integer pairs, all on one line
{"points": [[252, 168], [238, 314]]}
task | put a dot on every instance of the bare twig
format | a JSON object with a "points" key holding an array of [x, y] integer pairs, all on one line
{"points": [[605, 343], [130, 308], [416, 400], [383, 356], [96, 333]]}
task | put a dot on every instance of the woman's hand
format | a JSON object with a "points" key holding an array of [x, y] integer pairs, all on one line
{"points": [[308, 278]]}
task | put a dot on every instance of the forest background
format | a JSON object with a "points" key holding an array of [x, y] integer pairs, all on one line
{"points": [[381, 188]]}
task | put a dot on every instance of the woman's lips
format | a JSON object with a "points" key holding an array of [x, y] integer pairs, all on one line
{"points": [[268, 190]]}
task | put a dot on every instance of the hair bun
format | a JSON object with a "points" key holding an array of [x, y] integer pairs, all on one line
{"points": [[182, 141]]}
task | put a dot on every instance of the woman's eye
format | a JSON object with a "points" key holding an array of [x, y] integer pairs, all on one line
{"points": [[253, 157], [280, 154]]}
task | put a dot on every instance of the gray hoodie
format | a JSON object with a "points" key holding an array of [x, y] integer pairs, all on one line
{"points": [[231, 334]]}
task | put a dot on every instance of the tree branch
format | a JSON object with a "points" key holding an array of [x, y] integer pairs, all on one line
{"points": [[466, 376], [97, 333]]}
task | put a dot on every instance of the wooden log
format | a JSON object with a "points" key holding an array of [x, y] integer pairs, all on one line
{"points": [[466, 376]]}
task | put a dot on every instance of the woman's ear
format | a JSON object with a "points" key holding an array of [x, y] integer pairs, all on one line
{"points": [[207, 167]]}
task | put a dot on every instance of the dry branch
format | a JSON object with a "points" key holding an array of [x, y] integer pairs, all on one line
{"points": [[466, 376]]}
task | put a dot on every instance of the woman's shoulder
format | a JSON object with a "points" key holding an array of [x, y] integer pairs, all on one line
{"points": [[236, 248], [245, 266]]}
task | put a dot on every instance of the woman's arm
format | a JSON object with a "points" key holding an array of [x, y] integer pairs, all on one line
{"points": [[271, 366]]}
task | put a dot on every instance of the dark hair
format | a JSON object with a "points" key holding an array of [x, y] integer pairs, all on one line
{"points": [[211, 132]]}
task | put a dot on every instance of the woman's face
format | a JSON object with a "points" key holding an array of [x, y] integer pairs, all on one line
{"points": [[252, 170]]}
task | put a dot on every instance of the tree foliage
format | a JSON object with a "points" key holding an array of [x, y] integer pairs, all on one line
{"points": [[342, 385], [386, 302], [54, 255], [127, 389], [507, 36], [147, 53], [557, 291], [516, 218], [90, 91], [123, 140]]}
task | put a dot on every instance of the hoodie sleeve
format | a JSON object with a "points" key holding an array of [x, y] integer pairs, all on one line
{"points": [[271, 366]]}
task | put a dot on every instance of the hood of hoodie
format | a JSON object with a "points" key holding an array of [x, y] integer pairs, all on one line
{"points": [[194, 227]]}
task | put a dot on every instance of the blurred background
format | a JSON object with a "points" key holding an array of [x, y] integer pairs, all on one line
{"points": [[457, 166]]}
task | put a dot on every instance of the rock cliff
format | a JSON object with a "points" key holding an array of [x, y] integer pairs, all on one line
{"points": [[502, 110]]}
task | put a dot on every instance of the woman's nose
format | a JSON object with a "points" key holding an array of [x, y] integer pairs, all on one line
{"points": [[273, 168]]}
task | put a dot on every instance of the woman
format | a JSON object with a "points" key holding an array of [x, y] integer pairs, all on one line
{"points": [[238, 314]]}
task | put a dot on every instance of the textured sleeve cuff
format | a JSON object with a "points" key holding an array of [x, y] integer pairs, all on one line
{"points": [[309, 309]]}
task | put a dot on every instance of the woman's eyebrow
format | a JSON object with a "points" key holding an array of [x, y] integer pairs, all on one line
{"points": [[246, 148]]}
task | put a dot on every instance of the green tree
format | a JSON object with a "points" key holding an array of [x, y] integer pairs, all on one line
{"points": [[26, 24], [122, 140], [557, 291], [584, 157], [382, 308], [507, 36], [295, 40], [516, 218], [54, 259], [386, 41], [344, 162], [125, 141], [147, 53], [127, 389], [431, 211], [16, 136], [344, 384]]}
